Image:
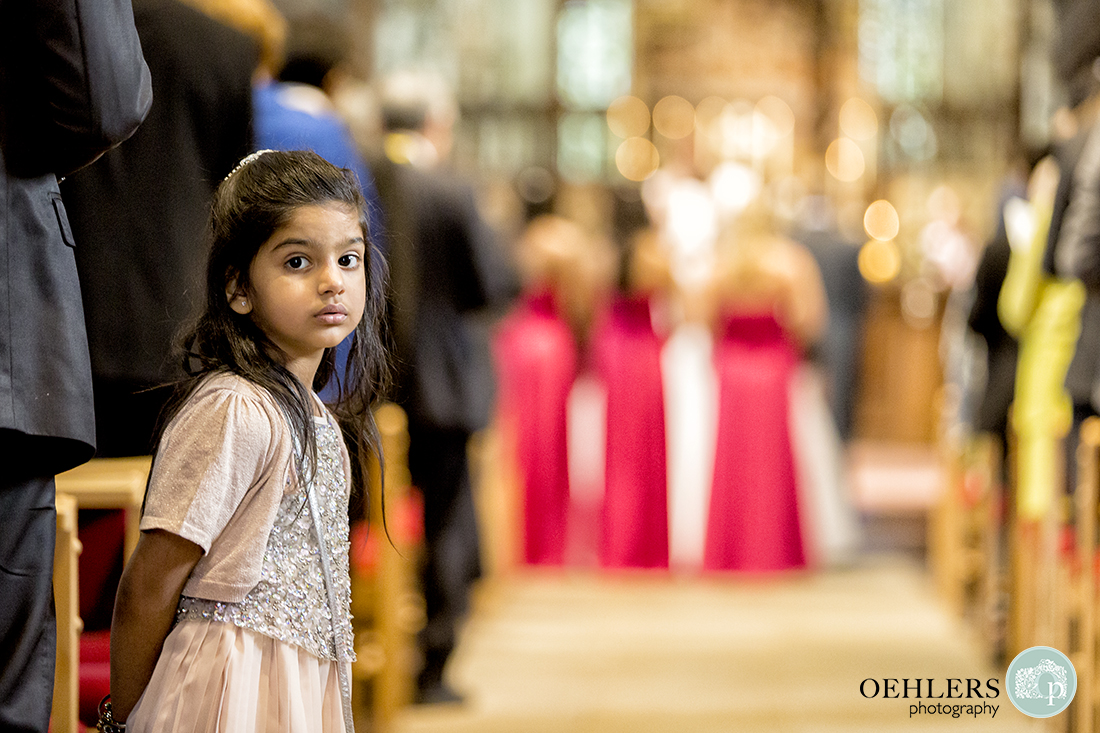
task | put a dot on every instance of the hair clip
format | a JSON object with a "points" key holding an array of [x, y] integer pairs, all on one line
{"points": [[245, 161]]}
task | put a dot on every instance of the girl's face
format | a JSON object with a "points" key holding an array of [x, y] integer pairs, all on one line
{"points": [[307, 284]]}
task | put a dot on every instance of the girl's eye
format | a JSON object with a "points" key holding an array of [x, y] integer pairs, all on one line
{"points": [[349, 260], [296, 263]]}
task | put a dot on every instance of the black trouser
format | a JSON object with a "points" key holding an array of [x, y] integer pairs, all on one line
{"points": [[28, 633], [439, 468]]}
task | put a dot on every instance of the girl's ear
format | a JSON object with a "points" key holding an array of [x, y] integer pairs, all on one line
{"points": [[237, 298]]}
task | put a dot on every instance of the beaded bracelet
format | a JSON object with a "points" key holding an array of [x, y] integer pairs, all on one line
{"points": [[107, 722]]}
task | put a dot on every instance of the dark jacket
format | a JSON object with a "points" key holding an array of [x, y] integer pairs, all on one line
{"points": [[73, 84], [445, 267], [1073, 251], [140, 212]]}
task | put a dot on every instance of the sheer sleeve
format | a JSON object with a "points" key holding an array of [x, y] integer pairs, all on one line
{"points": [[216, 452]]}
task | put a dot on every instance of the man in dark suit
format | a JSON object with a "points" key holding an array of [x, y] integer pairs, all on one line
{"points": [[72, 84], [445, 266], [146, 204]]}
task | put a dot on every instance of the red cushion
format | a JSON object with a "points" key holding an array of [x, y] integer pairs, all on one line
{"points": [[95, 682], [101, 533], [95, 646], [95, 673], [405, 522]]}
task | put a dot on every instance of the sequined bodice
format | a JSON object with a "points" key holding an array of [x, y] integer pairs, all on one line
{"points": [[290, 603]]}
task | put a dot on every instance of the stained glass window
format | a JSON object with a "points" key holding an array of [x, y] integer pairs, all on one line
{"points": [[595, 57], [594, 52], [901, 48]]}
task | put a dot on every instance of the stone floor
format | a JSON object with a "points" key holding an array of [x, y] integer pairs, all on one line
{"points": [[598, 653]]}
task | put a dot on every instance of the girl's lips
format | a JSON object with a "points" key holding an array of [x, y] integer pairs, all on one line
{"points": [[332, 314]]}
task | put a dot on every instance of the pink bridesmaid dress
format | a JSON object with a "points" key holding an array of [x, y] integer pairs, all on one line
{"points": [[634, 531], [536, 359], [753, 520]]}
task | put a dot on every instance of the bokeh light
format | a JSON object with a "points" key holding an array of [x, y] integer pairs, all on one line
{"points": [[674, 117], [879, 262], [944, 204], [535, 184], [708, 111], [881, 220], [918, 302], [857, 120], [637, 158], [844, 160], [628, 117], [913, 133], [734, 186], [780, 114]]}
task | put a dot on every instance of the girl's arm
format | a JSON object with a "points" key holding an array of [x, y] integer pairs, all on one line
{"points": [[145, 608]]}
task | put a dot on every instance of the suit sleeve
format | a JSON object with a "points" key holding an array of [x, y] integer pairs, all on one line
{"points": [[1077, 254], [77, 80]]}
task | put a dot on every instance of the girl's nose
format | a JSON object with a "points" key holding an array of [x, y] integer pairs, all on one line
{"points": [[332, 279]]}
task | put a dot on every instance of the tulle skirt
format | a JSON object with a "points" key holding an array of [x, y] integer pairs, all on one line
{"points": [[214, 676]]}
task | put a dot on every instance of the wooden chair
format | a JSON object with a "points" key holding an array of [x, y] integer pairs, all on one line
{"points": [[1035, 558], [1079, 582], [104, 483], [965, 532], [64, 716], [387, 605], [111, 483]]}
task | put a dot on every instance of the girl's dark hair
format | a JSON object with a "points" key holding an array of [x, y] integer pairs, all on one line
{"points": [[255, 200]]}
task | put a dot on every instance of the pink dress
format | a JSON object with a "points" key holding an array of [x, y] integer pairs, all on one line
{"points": [[635, 511], [753, 520], [255, 647], [536, 360]]}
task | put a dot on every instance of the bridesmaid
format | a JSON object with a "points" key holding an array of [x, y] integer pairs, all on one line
{"points": [[536, 356], [770, 305], [627, 349]]}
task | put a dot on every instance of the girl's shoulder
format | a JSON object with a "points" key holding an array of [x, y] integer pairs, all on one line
{"points": [[229, 382], [227, 399]]}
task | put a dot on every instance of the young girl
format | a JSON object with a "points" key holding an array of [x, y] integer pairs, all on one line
{"points": [[232, 613]]}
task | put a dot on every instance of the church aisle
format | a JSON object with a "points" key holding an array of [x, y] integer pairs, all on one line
{"points": [[586, 653]]}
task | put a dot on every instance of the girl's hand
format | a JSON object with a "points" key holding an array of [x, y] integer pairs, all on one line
{"points": [[145, 608]]}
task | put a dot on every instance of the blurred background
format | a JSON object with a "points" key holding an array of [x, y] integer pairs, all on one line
{"points": [[729, 298]]}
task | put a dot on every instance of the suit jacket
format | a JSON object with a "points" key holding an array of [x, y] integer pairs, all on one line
{"points": [[445, 266], [73, 83], [1073, 251], [140, 212]]}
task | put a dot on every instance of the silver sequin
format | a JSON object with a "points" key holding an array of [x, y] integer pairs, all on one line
{"points": [[290, 602]]}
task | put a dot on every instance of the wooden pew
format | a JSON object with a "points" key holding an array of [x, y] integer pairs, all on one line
{"points": [[388, 608], [110, 483], [965, 531], [1079, 586], [66, 588]]}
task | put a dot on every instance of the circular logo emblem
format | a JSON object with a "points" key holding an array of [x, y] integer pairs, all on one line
{"points": [[1041, 682]]}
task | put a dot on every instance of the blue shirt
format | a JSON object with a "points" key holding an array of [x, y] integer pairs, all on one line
{"points": [[300, 117]]}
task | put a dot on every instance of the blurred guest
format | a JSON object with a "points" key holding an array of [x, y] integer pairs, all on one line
{"points": [[198, 128], [1043, 313], [1000, 347], [627, 348], [294, 111], [445, 266], [770, 305], [73, 84], [847, 294], [1073, 251], [535, 351]]}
